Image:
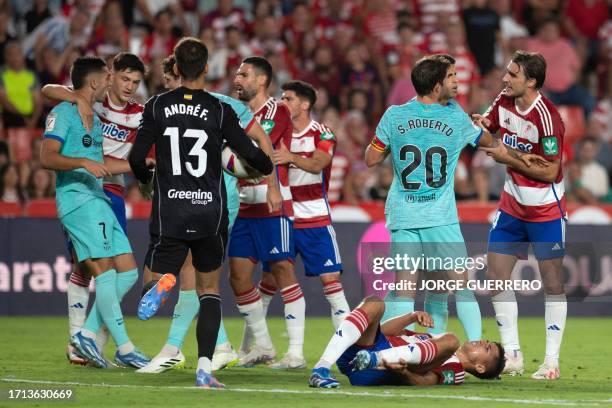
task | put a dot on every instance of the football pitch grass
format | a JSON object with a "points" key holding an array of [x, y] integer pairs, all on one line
{"points": [[32, 357]]}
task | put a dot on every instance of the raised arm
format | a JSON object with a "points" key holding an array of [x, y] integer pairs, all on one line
{"points": [[395, 326], [65, 94]]}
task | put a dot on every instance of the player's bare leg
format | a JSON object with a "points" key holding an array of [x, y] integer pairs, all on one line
{"points": [[419, 357], [110, 288], [400, 302], [555, 315], [334, 293], [207, 328], [499, 267], [295, 314], [250, 306], [360, 326], [78, 300]]}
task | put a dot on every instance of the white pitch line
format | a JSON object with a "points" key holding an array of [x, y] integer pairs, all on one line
{"points": [[383, 394]]}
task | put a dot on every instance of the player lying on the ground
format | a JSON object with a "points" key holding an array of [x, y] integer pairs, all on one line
{"points": [[370, 353]]}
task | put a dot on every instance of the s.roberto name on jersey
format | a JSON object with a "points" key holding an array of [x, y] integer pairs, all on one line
{"points": [[198, 197]]}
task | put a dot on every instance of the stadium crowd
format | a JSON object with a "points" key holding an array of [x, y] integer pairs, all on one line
{"points": [[357, 53]]}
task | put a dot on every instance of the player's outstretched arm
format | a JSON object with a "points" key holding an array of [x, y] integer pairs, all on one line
{"points": [[52, 159], [63, 93], [239, 141], [395, 326], [274, 197], [543, 170], [314, 164], [145, 138], [410, 378]]}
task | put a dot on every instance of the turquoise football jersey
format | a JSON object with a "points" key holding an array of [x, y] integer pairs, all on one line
{"points": [[245, 116], [75, 187], [425, 141]]}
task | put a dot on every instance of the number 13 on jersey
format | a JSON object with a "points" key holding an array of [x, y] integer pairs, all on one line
{"points": [[197, 150]]}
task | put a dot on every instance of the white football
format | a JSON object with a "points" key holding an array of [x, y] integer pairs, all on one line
{"points": [[236, 166]]}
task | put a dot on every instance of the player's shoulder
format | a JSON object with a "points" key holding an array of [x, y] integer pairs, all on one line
{"points": [[321, 131], [133, 107], [64, 108], [280, 109], [547, 106], [503, 100]]}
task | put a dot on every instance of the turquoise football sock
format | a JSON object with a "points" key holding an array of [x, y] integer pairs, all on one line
{"points": [[124, 282], [468, 312], [107, 304], [436, 304], [185, 311], [397, 306], [222, 336]]}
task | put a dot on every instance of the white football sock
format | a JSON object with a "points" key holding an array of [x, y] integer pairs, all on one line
{"points": [[506, 314], [295, 316], [349, 331], [205, 364], [249, 305], [169, 350], [266, 292], [339, 306], [415, 353], [554, 315], [78, 299]]}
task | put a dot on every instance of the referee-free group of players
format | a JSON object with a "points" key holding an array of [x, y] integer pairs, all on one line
{"points": [[201, 214]]}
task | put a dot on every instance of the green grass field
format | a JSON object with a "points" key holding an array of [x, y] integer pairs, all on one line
{"points": [[32, 356]]}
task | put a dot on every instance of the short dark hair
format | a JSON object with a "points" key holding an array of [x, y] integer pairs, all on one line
{"points": [[191, 57], [168, 65], [534, 66], [303, 90], [262, 65], [126, 61], [496, 370], [82, 67], [430, 71]]}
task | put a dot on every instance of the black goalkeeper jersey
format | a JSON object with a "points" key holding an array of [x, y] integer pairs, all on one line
{"points": [[188, 128]]}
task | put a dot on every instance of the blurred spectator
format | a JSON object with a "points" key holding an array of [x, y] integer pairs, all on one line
{"points": [[110, 36], [37, 14], [19, 90], [488, 177], [582, 21], [465, 63], [4, 153], [10, 189], [5, 37], [224, 16], [60, 32], [428, 13], [588, 179], [482, 32], [536, 12], [384, 177], [380, 25], [325, 73], [40, 184], [511, 31], [235, 49], [160, 43], [360, 73], [148, 10], [563, 67]]}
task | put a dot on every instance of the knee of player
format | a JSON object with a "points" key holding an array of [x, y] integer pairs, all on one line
{"points": [[373, 306], [449, 341]]}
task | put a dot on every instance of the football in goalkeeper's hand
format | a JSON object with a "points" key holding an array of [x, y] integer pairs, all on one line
{"points": [[236, 166]]}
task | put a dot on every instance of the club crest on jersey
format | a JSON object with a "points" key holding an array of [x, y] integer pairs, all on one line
{"points": [[449, 376], [327, 136], [550, 146], [267, 125], [511, 141], [112, 131]]}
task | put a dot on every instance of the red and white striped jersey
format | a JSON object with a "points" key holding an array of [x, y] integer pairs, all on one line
{"points": [[275, 119], [427, 12], [539, 130], [450, 372], [309, 191], [119, 127]]}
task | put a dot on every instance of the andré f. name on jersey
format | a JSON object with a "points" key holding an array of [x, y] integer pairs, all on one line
{"points": [[182, 109]]}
